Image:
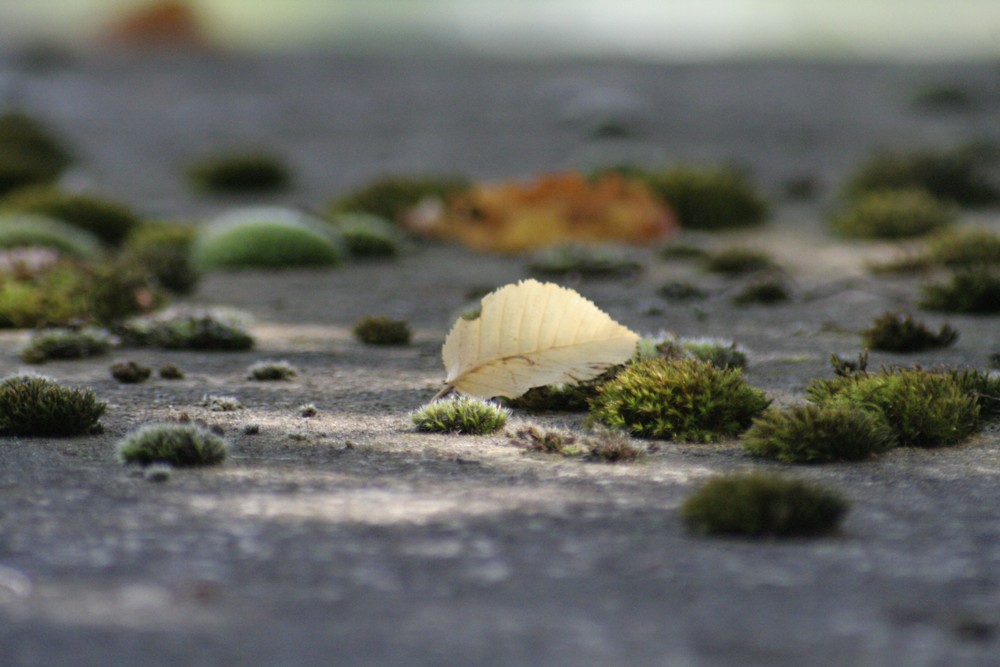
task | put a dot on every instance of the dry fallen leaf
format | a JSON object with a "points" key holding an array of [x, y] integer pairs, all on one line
{"points": [[553, 209], [532, 334]]}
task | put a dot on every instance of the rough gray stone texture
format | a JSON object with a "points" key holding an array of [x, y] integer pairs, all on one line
{"points": [[349, 539]]}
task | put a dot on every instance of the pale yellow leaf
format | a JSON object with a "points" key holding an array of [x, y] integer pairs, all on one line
{"points": [[532, 334]]}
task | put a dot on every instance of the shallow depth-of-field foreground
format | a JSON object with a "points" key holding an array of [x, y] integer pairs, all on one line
{"points": [[335, 533]]}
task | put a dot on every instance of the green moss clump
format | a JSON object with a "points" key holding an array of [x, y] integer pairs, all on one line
{"points": [[65, 343], [382, 331], [266, 371], [26, 230], [971, 290], [190, 329], [898, 332], [956, 175], [818, 434], [32, 405], [892, 214], [181, 445], [463, 415], [240, 173], [708, 199], [108, 220], [171, 372], [367, 236], [164, 249], [923, 408], [736, 261], [265, 237], [50, 294], [390, 197], [584, 260], [965, 247], [685, 400], [130, 372], [766, 290], [762, 504], [29, 153]]}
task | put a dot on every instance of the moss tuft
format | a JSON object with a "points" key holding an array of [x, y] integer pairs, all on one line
{"points": [[971, 290], [265, 237], [463, 415], [25, 230], [923, 408], [964, 247], [957, 175], [367, 236], [708, 198], [685, 400], [32, 405], [767, 290], [240, 173], [892, 214], [181, 445], [191, 329], [271, 371], [609, 446], [382, 331], [29, 153], [897, 332], [818, 434], [130, 372], [108, 220], [547, 441], [65, 343], [762, 504]]}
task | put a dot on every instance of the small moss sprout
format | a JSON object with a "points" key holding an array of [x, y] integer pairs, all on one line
{"points": [[108, 220], [130, 372], [464, 415], [766, 290], [380, 330], [367, 236], [180, 445], [707, 198], [269, 371], [763, 505]]}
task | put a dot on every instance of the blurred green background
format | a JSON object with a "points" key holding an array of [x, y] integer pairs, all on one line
{"points": [[645, 29]]}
